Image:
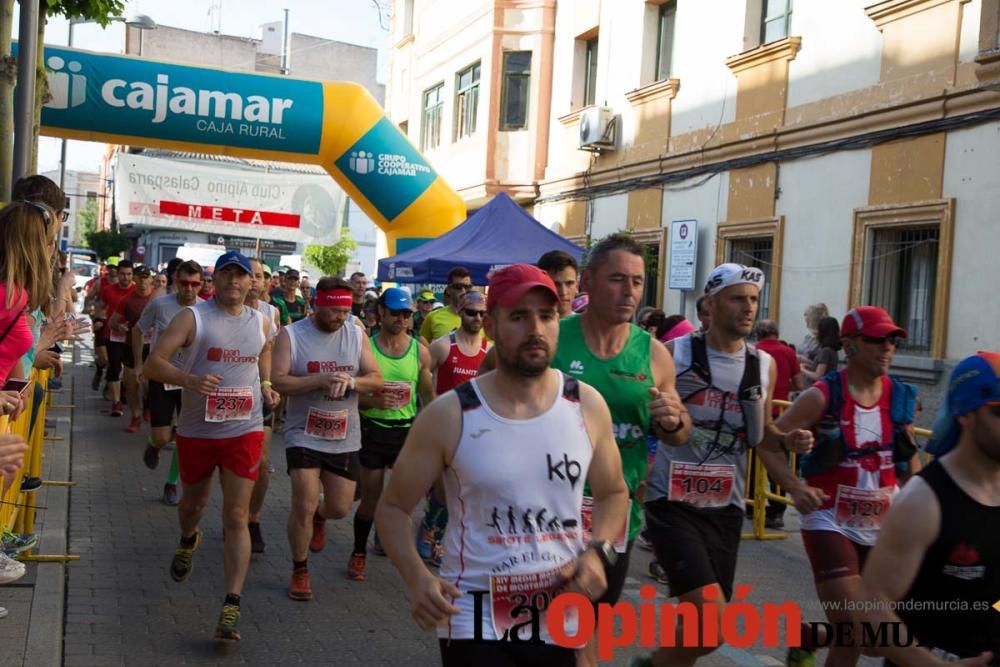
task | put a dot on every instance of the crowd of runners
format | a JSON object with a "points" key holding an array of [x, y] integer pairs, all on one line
{"points": [[543, 445]]}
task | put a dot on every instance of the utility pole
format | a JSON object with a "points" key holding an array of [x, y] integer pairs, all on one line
{"points": [[24, 104]]}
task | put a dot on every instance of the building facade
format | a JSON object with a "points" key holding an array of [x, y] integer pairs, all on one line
{"points": [[83, 190], [308, 57], [848, 149]]}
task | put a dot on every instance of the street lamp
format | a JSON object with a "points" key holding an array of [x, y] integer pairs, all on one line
{"points": [[140, 21]]}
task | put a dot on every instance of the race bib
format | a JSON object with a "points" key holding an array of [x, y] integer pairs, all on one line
{"points": [[862, 509], [518, 599], [586, 513], [397, 394], [702, 485], [116, 337], [229, 404], [326, 424]]}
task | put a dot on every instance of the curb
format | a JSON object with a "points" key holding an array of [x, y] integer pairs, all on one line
{"points": [[48, 604]]}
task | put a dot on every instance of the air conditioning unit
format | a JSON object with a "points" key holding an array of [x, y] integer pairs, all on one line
{"points": [[597, 129]]}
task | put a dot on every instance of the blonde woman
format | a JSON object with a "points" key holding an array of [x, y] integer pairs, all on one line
{"points": [[810, 345], [27, 244]]}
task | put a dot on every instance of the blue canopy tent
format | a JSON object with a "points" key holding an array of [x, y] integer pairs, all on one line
{"points": [[496, 235]]}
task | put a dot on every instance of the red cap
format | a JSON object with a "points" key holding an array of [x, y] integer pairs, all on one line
{"points": [[869, 321], [510, 283]]}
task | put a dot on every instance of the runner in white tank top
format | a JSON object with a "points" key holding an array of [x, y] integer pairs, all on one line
{"points": [[226, 376], [516, 447], [322, 363]]}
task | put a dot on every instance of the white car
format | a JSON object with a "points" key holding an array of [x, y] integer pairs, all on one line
{"points": [[83, 271]]}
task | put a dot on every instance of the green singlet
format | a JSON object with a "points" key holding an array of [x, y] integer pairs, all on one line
{"points": [[624, 382]]}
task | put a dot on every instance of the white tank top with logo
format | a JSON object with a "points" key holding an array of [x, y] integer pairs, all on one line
{"points": [[515, 492], [228, 346], [314, 420]]}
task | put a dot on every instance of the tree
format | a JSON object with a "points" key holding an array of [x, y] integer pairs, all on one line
{"points": [[107, 244], [331, 259], [86, 220], [100, 11]]}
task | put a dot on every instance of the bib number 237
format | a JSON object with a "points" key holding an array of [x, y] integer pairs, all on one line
{"points": [[227, 404]]}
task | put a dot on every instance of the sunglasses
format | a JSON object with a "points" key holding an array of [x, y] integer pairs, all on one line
{"points": [[189, 283], [472, 312], [460, 286], [404, 313], [893, 340], [44, 210]]}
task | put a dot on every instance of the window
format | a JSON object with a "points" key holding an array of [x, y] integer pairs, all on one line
{"points": [[755, 243], [665, 39], [902, 271], [901, 262], [757, 252], [430, 128], [776, 20], [590, 72], [466, 101], [516, 90]]}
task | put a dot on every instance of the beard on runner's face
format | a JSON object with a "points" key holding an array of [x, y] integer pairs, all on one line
{"points": [[330, 320], [530, 358]]}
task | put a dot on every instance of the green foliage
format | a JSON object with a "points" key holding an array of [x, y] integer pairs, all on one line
{"points": [[86, 219], [107, 244], [331, 259], [100, 11]]}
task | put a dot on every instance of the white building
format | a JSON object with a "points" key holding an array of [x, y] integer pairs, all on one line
{"points": [[847, 148], [82, 189]]}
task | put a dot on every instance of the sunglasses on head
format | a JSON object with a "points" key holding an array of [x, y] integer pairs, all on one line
{"points": [[460, 286], [875, 340], [189, 283], [404, 313], [43, 209], [472, 312]]}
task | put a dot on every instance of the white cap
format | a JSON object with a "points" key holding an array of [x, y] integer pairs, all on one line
{"points": [[727, 275]]}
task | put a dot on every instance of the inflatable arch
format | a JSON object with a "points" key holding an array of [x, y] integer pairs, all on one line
{"points": [[337, 125]]}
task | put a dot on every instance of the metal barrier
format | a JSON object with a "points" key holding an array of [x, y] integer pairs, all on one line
{"points": [[760, 494]]}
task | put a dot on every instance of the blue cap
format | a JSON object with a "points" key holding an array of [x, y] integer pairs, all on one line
{"points": [[974, 382], [397, 298], [234, 258]]}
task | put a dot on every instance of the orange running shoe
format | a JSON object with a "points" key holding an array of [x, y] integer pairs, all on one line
{"points": [[318, 540], [300, 589], [356, 568]]}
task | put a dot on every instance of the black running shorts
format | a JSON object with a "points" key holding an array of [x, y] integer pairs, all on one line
{"points": [[381, 444], [345, 465], [163, 405], [695, 547]]}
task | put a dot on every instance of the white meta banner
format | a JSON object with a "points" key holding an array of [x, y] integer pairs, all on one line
{"points": [[222, 199], [683, 254]]}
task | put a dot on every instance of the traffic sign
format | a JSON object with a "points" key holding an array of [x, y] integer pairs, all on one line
{"points": [[683, 254]]}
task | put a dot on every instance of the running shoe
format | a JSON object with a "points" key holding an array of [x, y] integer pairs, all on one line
{"points": [[117, 409], [29, 484], [151, 456], [318, 540], [3, 612], [228, 626], [10, 569], [377, 546], [256, 538], [300, 589], [800, 657], [13, 544], [657, 573], [182, 564], [643, 542], [133, 426], [774, 522], [170, 494], [356, 568]]}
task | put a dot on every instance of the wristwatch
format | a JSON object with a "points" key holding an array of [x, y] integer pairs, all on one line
{"points": [[606, 551]]}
